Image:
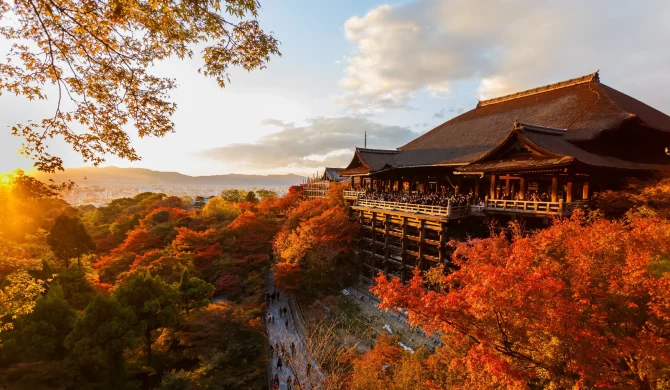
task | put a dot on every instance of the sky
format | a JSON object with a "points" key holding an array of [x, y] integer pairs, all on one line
{"points": [[393, 69]]}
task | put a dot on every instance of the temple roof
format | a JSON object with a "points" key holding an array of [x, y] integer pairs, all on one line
{"points": [[557, 117], [583, 107]]}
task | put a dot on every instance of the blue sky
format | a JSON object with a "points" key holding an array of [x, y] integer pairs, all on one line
{"points": [[394, 69]]}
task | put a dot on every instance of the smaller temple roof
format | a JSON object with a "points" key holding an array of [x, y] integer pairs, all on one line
{"points": [[548, 148], [333, 174]]}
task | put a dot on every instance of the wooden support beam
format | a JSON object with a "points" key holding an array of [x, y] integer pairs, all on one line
{"points": [[568, 196], [422, 238], [507, 189], [522, 188], [585, 191], [374, 242], [443, 240], [403, 253], [387, 238], [554, 189], [492, 191]]}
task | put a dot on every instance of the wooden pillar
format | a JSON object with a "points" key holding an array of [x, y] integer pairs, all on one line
{"points": [[492, 191], [477, 188], [403, 252], [522, 188], [374, 244], [443, 240], [422, 238], [387, 227], [554, 189], [568, 196], [507, 189], [585, 191]]}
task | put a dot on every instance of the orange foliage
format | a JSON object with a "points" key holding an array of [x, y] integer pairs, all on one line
{"points": [[580, 304]]}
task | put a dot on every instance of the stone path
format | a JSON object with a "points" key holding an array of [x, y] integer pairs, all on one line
{"points": [[294, 365]]}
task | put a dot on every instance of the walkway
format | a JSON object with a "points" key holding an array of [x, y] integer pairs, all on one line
{"points": [[294, 364]]}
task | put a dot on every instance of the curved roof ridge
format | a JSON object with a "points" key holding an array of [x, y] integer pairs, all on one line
{"points": [[539, 129], [546, 88], [367, 150]]}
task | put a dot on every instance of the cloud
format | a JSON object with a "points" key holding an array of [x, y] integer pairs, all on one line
{"points": [[440, 114], [321, 142], [504, 47]]}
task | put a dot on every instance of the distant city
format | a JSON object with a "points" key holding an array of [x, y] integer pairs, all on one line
{"points": [[99, 186]]}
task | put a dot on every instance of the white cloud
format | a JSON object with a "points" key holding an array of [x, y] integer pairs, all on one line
{"points": [[318, 143], [504, 46]]}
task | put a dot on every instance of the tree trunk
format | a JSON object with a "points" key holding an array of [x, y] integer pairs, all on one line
{"points": [[147, 334]]}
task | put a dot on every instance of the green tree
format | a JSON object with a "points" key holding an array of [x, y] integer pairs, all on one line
{"points": [[220, 209], [234, 195], [194, 292], [78, 290], [40, 335], [263, 193], [68, 239], [153, 302], [251, 197], [99, 338]]}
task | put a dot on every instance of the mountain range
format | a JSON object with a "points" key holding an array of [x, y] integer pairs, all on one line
{"points": [[106, 176]]}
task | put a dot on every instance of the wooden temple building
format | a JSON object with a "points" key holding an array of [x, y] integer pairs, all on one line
{"points": [[530, 155]]}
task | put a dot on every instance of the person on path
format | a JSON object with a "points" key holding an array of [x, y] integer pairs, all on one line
{"points": [[289, 383], [292, 348], [277, 295], [309, 368], [285, 310], [272, 351], [273, 320], [279, 364], [286, 323], [276, 380]]}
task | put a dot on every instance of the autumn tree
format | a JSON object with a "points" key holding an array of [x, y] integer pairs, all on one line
{"points": [[154, 305], [194, 292], [314, 246], [98, 57], [582, 304], [99, 337], [69, 239]]}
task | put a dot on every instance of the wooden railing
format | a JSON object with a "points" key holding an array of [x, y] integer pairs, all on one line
{"points": [[353, 194], [532, 207], [449, 211]]}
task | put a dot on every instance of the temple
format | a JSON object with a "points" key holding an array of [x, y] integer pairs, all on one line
{"points": [[528, 156]]}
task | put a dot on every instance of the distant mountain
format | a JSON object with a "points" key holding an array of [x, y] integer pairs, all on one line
{"points": [[147, 177]]}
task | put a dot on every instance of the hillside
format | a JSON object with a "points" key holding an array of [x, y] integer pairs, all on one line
{"points": [[141, 176]]}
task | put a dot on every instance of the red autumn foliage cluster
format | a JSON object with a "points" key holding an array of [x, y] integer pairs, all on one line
{"points": [[314, 245], [582, 304]]}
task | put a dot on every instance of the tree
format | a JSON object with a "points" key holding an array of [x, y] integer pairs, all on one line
{"points": [[99, 337], [251, 197], [154, 305], [98, 55], [581, 304], [263, 193], [221, 209], [41, 334], [233, 195], [194, 292], [68, 239], [77, 289]]}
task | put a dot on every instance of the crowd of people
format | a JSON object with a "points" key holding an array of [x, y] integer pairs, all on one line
{"points": [[428, 199]]}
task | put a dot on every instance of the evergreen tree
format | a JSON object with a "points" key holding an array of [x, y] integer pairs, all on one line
{"points": [[194, 292], [99, 338], [153, 303], [68, 239], [41, 334]]}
